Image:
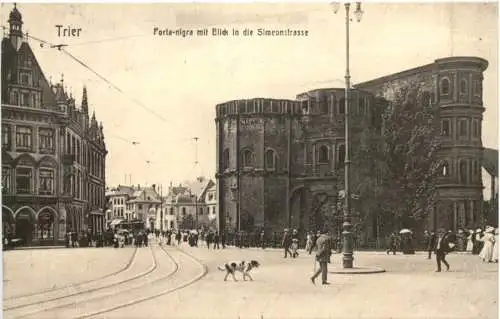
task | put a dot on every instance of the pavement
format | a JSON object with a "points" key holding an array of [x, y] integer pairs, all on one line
{"points": [[410, 287]]}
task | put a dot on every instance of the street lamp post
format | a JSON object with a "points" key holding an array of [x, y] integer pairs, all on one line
{"points": [[347, 226]]}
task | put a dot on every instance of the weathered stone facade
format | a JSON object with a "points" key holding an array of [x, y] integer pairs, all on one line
{"points": [[281, 161], [455, 84]]}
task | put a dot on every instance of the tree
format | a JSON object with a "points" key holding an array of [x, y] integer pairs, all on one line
{"points": [[400, 160]]}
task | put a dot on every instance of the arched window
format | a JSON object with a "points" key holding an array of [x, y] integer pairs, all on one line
{"points": [[446, 169], [323, 154], [225, 159], [445, 86], [361, 106], [341, 156], [463, 172], [342, 106], [305, 107], [324, 106], [463, 86], [246, 158], [271, 159]]}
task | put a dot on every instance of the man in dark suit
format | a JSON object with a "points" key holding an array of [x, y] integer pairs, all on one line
{"points": [[441, 248], [431, 243], [324, 245], [287, 242]]}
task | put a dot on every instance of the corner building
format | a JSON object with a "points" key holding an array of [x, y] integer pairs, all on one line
{"points": [[281, 162], [53, 155]]}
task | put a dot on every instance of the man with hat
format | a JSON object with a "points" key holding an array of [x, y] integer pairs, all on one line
{"points": [[441, 248], [323, 252], [287, 242]]}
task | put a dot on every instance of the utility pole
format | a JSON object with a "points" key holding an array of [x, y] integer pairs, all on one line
{"points": [[161, 209], [195, 194]]}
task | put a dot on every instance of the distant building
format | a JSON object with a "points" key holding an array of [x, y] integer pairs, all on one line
{"points": [[134, 203], [53, 154], [189, 199]]}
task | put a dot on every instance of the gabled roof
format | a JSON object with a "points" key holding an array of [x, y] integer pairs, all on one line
{"points": [[490, 161]]}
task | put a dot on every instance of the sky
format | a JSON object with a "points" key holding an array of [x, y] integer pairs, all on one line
{"points": [[170, 85]]}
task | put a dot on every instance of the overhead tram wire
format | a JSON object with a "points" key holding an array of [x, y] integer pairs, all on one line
{"points": [[79, 61]]}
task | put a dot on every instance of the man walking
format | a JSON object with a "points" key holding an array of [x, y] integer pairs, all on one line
{"points": [[287, 242], [431, 244], [442, 247], [323, 252]]}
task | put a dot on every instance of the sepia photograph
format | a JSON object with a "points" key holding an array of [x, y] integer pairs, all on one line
{"points": [[250, 160]]}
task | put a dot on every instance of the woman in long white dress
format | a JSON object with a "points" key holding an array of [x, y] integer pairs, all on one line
{"points": [[494, 258], [470, 245], [488, 240]]}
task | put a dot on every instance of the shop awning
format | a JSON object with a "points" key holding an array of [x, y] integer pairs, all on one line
{"points": [[115, 222]]}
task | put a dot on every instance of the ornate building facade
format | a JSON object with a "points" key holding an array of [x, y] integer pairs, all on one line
{"points": [[280, 161], [53, 155]]}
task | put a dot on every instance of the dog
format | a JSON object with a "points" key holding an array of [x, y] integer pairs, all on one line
{"points": [[243, 267]]}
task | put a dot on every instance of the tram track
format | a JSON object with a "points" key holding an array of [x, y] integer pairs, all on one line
{"points": [[71, 303], [156, 293], [40, 305], [74, 285]]}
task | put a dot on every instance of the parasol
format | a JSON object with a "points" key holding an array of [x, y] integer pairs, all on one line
{"points": [[404, 231]]}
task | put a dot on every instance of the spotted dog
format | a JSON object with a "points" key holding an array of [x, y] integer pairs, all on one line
{"points": [[243, 267]]}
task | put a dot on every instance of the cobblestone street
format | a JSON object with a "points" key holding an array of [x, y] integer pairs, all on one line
{"points": [[281, 288]]}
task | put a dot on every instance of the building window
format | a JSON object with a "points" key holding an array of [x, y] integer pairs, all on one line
{"points": [[463, 86], [15, 98], [25, 99], [445, 86], [200, 211], [341, 157], [46, 137], [171, 210], [361, 106], [324, 107], [46, 184], [271, 160], [6, 137], [446, 169], [183, 211], [342, 106], [323, 154], [445, 127], [24, 137], [477, 88], [246, 158], [225, 159], [6, 180], [24, 180], [274, 107], [475, 128], [463, 172], [462, 127], [139, 206], [25, 79], [305, 107]]}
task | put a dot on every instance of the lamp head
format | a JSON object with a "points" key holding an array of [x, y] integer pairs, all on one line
{"points": [[358, 13], [335, 6]]}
